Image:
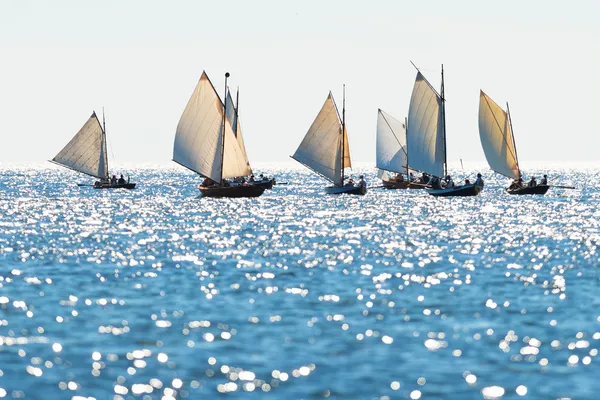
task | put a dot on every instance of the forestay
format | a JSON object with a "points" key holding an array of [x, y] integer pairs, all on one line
{"points": [[199, 137], [321, 147], [497, 138], [86, 152], [425, 130], [391, 144]]}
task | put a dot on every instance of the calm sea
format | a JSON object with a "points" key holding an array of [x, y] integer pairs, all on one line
{"points": [[156, 293]]}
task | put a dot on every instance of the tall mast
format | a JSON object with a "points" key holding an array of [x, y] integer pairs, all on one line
{"points": [[406, 138], [343, 130], [104, 147], [223, 128], [237, 110], [444, 122], [513, 138]]}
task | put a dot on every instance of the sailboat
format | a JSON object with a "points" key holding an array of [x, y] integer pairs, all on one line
{"points": [[392, 154], [426, 136], [498, 142], [326, 151], [86, 153], [205, 143]]}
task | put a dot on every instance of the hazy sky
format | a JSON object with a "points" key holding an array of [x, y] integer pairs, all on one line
{"points": [[142, 59]]}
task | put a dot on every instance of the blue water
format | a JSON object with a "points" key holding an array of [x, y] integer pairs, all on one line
{"points": [[155, 293]]}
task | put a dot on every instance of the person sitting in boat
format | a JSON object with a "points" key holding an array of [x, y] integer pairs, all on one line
{"points": [[544, 180], [435, 182], [399, 178], [479, 181], [207, 182], [532, 182], [350, 182], [424, 179], [467, 181], [121, 180], [449, 182], [251, 178], [113, 180], [516, 184], [362, 182], [411, 177]]}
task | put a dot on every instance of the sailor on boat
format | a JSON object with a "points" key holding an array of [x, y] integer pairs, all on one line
{"points": [[544, 180], [532, 182], [399, 178], [479, 181], [449, 182], [362, 183]]}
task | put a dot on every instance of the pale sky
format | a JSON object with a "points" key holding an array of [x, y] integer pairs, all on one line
{"points": [[142, 59]]}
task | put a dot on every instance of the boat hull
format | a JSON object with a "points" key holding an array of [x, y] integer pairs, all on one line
{"points": [[267, 184], [359, 190], [539, 190], [254, 190], [402, 185], [117, 186], [459, 191]]}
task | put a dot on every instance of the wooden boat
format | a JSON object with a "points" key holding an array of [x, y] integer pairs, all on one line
{"points": [[86, 153], [392, 153], [325, 149], [539, 189], [209, 142], [459, 191], [426, 135]]}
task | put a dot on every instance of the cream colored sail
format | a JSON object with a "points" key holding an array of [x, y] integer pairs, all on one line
{"points": [[391, 144], [86, 152], [321, 147], [233, 117], [497, 138], [199, 137], [425, 130]]}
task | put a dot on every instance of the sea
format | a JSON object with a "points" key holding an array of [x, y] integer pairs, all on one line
{"points": [[156, 293]]}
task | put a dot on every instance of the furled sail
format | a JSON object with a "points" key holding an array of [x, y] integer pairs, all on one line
{"points": [[233, 117], [425, 131], [321, 147], [497, 138], [199, 137], [391, 144], [86, 152]]}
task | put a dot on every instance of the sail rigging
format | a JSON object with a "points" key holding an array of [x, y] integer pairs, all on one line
{"points": [[321, 148], [497, 140], [391, 144], [425, 135], [86, 152], [233, 116], [200, 133]]}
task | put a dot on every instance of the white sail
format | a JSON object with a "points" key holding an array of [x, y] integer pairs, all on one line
{"points": [[391, 144], [497, 138], [321, 147], [233, 116], [425, 131], [86, 152], [199, 137]]}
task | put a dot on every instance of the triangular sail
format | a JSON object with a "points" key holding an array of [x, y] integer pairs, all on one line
{"points": [[86, 152], [320, 149], [347, 161], [233, 117], [425, 130], [497, 138], [391, 144], [199, 137]]}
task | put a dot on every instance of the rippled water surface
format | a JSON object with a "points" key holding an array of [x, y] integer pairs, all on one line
{"points": [[156, 293]]}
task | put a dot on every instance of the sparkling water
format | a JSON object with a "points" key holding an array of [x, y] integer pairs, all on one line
{"points": [[157, 293]]}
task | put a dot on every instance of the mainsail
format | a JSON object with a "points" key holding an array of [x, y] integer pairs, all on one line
{"points": [[199, 137], [321, 148], [497, 138], [86, 152], [391, 144], [425, 131]]}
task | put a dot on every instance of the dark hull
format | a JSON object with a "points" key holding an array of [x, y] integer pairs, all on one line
{"points": [[540, 189], [117, 186], [359, 190], [402, 185], [233, 191], [267, 184], [460, 191]]}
